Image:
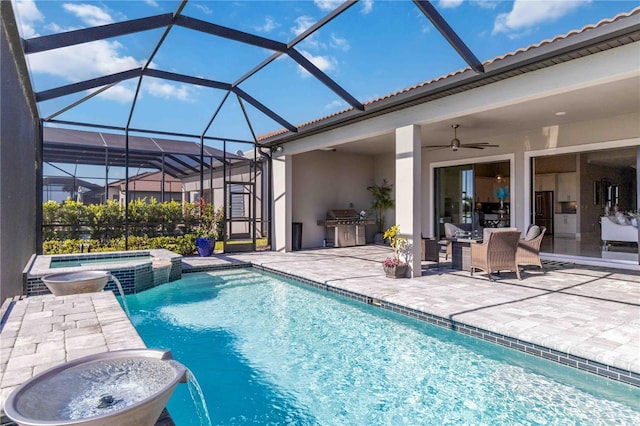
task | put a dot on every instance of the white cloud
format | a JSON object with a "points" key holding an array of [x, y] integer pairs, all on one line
{"points": [[327, 5], [339, 43], [323, 63], [302, 24], [335, 105], [164, 90], [83, 61], [99, 58], [269, 25], [449, 4], [486, 4], [367, 6], [204, 9], [153, 3], [28, 15], [89, 14], [122, 92], [527, 14]]}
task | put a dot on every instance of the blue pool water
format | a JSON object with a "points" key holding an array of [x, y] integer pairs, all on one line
{"points": [[67, 263], [267, 351]]}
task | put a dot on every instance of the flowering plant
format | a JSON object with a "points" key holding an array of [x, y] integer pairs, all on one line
{"points": [[392, 262], [398, 244]]}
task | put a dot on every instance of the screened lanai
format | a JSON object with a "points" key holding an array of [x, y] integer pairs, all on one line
{"points": [[163, 67], [141, 143]]}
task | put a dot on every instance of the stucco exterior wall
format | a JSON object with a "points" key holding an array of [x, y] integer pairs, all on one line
{"points": [[19, 133], [324, 180]]}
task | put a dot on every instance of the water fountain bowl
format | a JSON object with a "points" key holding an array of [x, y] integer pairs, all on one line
{"points": [[65, 283], [119, 387]]}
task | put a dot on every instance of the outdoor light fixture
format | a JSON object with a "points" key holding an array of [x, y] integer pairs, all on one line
{"points": [[278, 148]]}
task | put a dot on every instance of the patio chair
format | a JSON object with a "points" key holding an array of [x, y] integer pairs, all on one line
{"points": [[528, 252], [497, 253], [430, 250]]}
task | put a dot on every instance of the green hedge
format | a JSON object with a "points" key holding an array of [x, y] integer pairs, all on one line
{"points": [[104, 222], [184, 245]]}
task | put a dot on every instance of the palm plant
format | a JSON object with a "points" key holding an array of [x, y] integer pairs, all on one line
{"points": [[381, 201]]}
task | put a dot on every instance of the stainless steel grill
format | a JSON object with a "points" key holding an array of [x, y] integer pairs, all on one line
{"points": [[345, 228]]}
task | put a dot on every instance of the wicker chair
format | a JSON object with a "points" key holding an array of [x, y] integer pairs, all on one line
{"points": [[528, 252], [430, 250], [496, 254]]}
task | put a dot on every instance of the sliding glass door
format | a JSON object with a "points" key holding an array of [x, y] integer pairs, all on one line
{"points": [[454, 195], [475, 196]]}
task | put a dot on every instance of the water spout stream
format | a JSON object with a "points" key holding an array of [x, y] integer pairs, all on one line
{"points": [[124, 299], [198, 399]]}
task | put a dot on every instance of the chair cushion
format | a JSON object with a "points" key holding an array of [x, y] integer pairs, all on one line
{"points": [[533, 232]]}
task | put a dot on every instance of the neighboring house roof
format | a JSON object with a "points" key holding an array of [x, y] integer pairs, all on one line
{"points": [[149, 182], [68, 180], [606, 34]]}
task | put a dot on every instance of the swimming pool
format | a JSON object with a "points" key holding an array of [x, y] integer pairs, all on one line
{"points": [[269, 351]]}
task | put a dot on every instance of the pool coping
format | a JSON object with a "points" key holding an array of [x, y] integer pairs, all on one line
{"points": [[564, 358]]}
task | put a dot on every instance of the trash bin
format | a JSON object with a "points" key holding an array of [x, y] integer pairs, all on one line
{"points": [[296, 236]]}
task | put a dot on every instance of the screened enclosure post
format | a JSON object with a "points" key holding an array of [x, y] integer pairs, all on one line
{"points": [[39, 183], [162, 188], [255, 195], [106, 175], [126, 189], [211, 179], [224, 197], [201, 167]]}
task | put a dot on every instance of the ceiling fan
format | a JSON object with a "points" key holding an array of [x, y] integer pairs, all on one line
{"points": [[455, 143]]}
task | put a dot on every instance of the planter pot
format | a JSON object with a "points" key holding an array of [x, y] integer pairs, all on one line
{"points": [[399, 271], [378, 238], [205, 246]]}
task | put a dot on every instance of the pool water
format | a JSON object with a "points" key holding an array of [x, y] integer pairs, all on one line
{"points": [[268, 351], [67, 263]]}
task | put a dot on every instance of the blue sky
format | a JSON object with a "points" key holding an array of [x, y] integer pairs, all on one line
{"points": [[374, 48]]}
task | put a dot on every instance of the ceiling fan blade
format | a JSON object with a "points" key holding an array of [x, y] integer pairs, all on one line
{"points": [[480, 145], [437, 146]]}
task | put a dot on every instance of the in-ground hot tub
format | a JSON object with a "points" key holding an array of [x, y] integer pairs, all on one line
{"points": [[120, 387], [137, 270]]}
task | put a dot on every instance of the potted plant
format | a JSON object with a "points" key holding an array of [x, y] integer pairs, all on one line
{"points": [[205, 242], [206, 232], [394, 267], [381, 201]]}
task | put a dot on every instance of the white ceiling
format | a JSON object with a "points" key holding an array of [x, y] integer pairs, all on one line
{"points": [[610, 99]]}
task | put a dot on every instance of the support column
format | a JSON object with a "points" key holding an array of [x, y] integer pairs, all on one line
{"points": [[409, 190], [282, 216]]}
